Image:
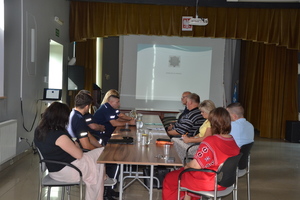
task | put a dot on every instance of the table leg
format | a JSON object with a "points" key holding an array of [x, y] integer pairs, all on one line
{"points": [[121, 181], [151, 182]]}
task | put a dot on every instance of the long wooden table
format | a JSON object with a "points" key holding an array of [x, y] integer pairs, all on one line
{"points": [[137, 154]]}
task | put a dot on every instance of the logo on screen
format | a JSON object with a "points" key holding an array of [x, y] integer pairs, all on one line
{"points": [[174, 61]]}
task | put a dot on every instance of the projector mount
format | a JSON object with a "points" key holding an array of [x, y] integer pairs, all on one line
{"points": [[198, 21]]}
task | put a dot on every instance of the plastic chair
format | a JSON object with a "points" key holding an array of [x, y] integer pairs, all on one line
{"points": [[47, 181], [244, 166], [225, 176]]}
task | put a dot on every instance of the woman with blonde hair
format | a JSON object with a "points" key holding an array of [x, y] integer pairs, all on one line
{"points": [[205, 129]]}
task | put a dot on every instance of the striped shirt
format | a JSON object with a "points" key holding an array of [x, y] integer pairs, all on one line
{"points": [[190, 122]]}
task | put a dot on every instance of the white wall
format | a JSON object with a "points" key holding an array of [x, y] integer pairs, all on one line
{"points": [[24, 77]]}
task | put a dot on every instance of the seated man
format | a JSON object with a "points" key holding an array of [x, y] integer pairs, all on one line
{"points": [[241, 130], [190, 122], [167, 122], [107, 115], [183, 101], [78, 125], [116, 93], [80, 128], [95, 129]]}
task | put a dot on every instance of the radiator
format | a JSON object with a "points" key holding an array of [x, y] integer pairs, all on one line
{"points": [[8, 140]]}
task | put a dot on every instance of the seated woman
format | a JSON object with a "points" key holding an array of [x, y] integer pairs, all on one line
{"points": [[212, 151], [116, 93], [206, 106], [54, 142]]}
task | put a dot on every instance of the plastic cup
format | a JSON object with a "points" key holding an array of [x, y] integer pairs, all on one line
{"points": [[166, 151]]}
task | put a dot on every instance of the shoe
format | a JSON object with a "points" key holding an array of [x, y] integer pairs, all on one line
{"points": [[106, 194], [114, 194], [110, 182]]}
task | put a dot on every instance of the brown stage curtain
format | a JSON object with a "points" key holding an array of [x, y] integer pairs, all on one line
{"points": [[271, 26], [268, 87], [86, 56]]}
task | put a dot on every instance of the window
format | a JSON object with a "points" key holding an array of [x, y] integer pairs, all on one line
{"points": [[55, 65]]}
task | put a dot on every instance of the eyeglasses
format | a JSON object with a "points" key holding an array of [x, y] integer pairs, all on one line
{"points": [[183, 97]]}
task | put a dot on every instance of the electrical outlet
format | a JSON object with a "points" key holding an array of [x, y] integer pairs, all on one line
{"points": [[20, 139]]}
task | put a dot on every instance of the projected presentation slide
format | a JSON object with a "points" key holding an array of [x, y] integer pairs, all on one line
{"points": [[155, 70], [161, 68]]}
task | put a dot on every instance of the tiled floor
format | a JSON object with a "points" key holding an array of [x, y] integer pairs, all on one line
{"points": [[275, 174]]}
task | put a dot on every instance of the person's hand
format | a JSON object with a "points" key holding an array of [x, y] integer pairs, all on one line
{"points": [[132, 122], [185, 138], [101, 127], [170, 127]]}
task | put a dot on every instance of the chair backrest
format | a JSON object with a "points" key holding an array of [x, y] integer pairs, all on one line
{"points": [[227, 171], [42, 164], [245, 150], [94, 108]]}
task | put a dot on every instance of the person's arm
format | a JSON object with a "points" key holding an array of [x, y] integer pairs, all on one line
{"points": [[94, 141], [187, 139], [97, 127], [193, 164], [68, 146], [173, 133], [116, 122], [89, 142], [85, 143], [170, 127], [124, 117]]}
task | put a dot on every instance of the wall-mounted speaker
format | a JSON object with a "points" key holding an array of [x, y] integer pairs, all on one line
{"points": [[292, 133], [75, 77]]}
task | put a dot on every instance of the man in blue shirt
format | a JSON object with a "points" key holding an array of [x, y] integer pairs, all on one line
{"points": [[95, 129], [78, 124], [241, 130], [108, 115]]}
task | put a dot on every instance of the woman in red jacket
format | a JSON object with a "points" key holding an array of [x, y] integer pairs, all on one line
{"points": [[212, 151]]}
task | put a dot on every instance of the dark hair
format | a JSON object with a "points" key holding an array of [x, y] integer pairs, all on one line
{"points": [[236, 108], [82, 100], [220, 121], [194, 97], [84, 92], [55, 117], [114, 97]]}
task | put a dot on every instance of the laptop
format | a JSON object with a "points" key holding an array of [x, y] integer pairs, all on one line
{"points": [[52, 94]]}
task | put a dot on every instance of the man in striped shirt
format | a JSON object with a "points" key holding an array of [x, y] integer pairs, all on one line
{"points": [[189, 123]]}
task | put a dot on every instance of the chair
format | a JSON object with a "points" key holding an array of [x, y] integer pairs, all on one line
{"points": [[47, 181], [170, 119], [188, 158], [94, 108], [244, 166], [225, 176]]}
